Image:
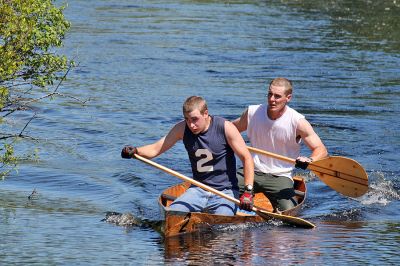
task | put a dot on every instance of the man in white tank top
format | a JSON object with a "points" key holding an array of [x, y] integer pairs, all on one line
{"points": [[277, 128]]}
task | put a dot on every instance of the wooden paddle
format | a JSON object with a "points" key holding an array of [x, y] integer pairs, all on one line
{"points": [[342, 174], [263, 213]]}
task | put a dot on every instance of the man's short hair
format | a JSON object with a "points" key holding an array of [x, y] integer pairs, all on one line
{"points": [[194, 102], [283, 82]]}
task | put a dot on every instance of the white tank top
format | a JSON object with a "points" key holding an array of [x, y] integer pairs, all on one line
{"points": [[276, 136]]}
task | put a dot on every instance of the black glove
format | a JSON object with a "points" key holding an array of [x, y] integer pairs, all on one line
{"points": [[128, 152], [246, 201], [301, 164]]}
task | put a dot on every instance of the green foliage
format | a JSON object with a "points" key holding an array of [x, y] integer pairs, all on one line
{"points": [[3, 96], [30, 30], [8, 160]]}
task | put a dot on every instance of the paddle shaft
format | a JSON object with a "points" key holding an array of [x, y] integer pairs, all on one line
{"points": [[279, 157], [273, 155], [188, 179]]}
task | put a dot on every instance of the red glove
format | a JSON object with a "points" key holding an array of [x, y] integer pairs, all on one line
{"points": [[128, 152], [246, 201]]}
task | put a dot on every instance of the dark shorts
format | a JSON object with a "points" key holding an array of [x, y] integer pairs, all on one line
{"points": [[278, 189]]}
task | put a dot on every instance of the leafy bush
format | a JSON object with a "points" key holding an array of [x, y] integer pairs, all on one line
{"points": [[30, 31]]}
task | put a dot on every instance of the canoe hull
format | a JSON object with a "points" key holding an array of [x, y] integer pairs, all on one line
{"points": [[177, 223]]}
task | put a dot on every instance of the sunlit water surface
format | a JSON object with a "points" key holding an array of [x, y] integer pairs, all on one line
{"points": [[138, 61]]}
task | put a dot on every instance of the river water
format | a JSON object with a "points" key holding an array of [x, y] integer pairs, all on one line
{"points": [[138, 61]]}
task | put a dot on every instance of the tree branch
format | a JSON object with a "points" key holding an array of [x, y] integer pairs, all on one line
{"points": [[20, 133]]}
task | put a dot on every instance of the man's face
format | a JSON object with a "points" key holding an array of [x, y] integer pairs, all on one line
{"points": [[277, 99], [196, 121]]}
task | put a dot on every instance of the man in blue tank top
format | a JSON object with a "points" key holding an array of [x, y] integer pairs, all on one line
{"points": [[211, 143]]}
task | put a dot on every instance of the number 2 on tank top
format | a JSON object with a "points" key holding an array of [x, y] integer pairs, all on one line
{"points": [[201, 167]]}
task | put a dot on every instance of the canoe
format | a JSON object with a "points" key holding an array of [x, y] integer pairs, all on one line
{"points": [[177, 223]]}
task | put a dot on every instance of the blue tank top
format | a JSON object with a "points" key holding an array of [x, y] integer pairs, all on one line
{"points": [[212, 159]]}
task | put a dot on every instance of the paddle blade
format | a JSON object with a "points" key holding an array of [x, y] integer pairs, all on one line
{"points": [[296, 221], [342, 174]]}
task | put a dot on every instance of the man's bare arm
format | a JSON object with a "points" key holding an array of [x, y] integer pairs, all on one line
{"points": [[241, 122], [312, 140], [164, 144]]}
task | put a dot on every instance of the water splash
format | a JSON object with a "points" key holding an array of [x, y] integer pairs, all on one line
{"points": [[122, 219], [382, 191], [129, 220], [346, 215]]}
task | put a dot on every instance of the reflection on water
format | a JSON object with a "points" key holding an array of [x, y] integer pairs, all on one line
{"points": [[327, 243], [369, 25], [139, 60]]}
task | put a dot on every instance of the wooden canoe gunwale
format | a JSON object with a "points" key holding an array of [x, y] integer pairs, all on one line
{"points": [[177, 223]]}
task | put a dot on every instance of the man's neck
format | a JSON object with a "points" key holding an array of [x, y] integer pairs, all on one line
{"points": [[208, 122], [273, 115]]}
